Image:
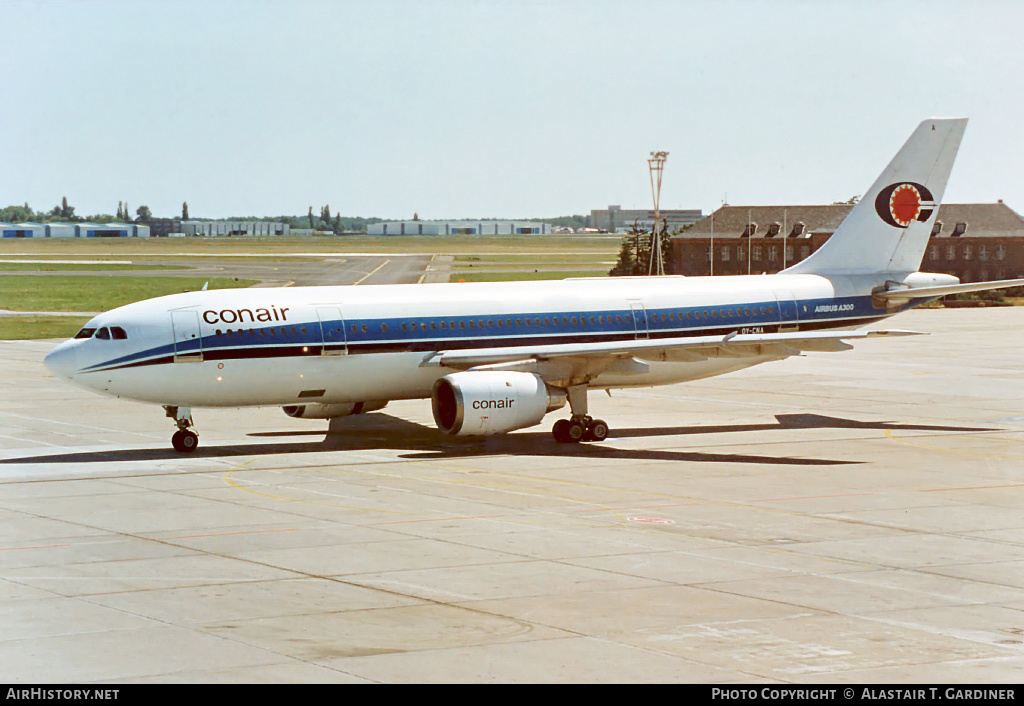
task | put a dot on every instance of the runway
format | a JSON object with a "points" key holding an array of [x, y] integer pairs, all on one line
{"points": [[836, 517]]}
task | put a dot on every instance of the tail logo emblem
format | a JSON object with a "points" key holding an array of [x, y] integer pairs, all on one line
{"points": [[903, 203]]}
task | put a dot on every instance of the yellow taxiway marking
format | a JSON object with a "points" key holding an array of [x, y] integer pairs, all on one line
{"points": [[423, 276], [234, 484], [371, 272], [226, 534], [889, 435], [623, 514]]}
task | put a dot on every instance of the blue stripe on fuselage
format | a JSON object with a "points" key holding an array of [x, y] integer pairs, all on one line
{"points": [[494, 331]]}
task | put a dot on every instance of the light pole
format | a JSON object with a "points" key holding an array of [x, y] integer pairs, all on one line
{"points": [[657, 166]]}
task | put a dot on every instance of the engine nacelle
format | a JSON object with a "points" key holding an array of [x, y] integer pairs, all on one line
{"points": [[330, 411], [480, 403]]}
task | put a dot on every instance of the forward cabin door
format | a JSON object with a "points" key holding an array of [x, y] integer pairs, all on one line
{"points": [[639, 320], [188, 342], [332, 329]]}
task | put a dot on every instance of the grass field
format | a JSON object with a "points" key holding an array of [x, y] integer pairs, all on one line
{"points": [[511, 270], [441, 244], [551, 258], [78, 267], [21, 328], [529, 266], [521, 276], [59, 293], [138, 260]]}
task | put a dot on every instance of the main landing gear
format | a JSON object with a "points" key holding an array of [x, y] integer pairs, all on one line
{"points": [[576, 429], [185, 440], [581, 426]]}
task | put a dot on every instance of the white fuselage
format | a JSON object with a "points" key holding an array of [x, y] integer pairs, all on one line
{"points": [[285, 346]]}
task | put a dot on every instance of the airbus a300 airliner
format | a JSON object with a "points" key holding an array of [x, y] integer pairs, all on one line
{"points": [[496, 357]]}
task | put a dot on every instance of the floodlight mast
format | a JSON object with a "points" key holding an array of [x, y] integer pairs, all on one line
{"points": [[657, 167]]}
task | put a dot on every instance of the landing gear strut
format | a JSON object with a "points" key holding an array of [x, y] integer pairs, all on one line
{"points": [[581, 426], [185, 440]]}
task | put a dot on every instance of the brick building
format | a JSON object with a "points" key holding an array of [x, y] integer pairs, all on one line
{"points": [[975, 242]]}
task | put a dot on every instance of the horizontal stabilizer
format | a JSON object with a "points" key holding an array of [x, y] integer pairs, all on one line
{"points": [[902, 296]]}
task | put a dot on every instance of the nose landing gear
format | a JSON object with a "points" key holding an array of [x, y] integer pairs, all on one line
{"points": [[185, 440]]}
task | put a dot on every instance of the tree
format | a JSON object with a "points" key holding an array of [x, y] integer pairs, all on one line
{"points": [[184, 211], [624, 265], [144, 213], [633, 253], [311, 217], [63, 211], [18, 214]]}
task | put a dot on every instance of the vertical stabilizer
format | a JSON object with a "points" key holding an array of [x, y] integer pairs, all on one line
{"points": [[888, 229]]}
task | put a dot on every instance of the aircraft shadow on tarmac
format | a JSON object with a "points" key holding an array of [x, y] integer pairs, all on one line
{"points": [[384, 432]]}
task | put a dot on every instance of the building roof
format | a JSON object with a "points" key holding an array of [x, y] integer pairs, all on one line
{"points": [[982, 219], [992, 220]]}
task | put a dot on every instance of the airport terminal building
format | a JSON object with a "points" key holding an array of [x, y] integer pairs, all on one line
{"points": [[458, 228], [616, 220], [975, 242]]}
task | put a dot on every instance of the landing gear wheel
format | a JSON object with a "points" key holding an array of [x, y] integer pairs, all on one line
{"points": [[570, 431], [597, 430], [575, 431], [560, 431], [185, 441]]}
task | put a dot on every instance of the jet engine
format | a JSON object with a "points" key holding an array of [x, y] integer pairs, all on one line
{"points": [[480, 403], [330, 411]]}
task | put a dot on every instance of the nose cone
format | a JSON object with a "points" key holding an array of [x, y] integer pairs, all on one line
{"points": [[62, 361]]}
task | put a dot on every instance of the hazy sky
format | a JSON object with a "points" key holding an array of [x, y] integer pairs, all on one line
{"points": [[472, 108]]}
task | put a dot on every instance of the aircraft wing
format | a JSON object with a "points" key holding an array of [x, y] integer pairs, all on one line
{"points": [[681, 349]]}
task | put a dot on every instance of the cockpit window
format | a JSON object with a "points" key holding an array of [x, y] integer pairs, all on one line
{"points": [[104, 334]]}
